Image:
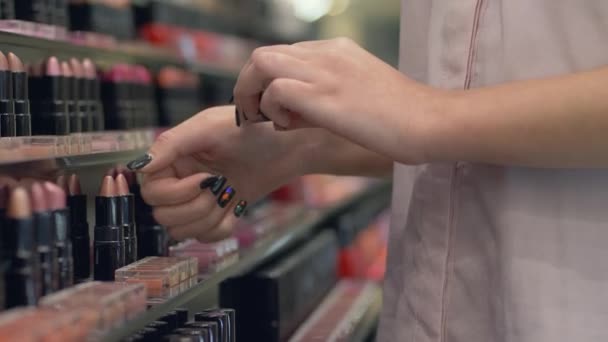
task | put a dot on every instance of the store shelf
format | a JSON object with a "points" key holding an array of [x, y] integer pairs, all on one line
{"points": [[205, 294], [41, 155], [369, 323], [34, 48]]}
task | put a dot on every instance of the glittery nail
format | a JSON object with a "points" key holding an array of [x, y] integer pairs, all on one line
{"points": [[208, 182], [226, 197], [218, 185], [239, 210], [140, 162]]}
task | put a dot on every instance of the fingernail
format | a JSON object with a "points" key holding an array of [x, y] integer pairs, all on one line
{"points": [[237, 117], [140, 162], [218, 185], [207, 182], [226, 197], [239, 210], [245, 116], [231, 99]]}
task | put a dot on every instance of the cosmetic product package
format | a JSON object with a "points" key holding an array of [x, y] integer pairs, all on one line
{"points": [[23, 120], [7, 106], [177, 91], [45, 238], [339, 314], [102, 17], [35, 324], [127, 218], [152, 238], [164, 277], [225, 319], [273, 301], [108, 304], [211, 257], [63, 244]]}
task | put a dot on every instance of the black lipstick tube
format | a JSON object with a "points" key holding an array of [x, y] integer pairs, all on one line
{"points": [[71, 96], [23, 119], [63, 246], [96, 107], [49, 107], [23, 270], [7, 108], [80, 237], [127, 221], [47, 253], [109, 252], [83, 104]]}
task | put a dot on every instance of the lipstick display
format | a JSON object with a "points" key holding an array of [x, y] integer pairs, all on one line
{"points": [[109, 245]]}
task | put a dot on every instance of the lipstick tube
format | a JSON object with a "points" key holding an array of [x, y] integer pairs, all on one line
{"points": [[49, 267], [127, 220], [7, 109], [51, 110], [23, 270], [80, 237], [64, 247], [23, 120], [109, 252]]}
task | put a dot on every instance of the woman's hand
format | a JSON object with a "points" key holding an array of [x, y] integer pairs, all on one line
{"points": [[200, 175], [336, 85]]}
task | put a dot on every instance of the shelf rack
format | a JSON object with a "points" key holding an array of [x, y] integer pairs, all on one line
{"points": [[34, 48], [205, 294]]}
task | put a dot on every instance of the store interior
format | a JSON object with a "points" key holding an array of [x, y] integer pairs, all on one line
{"points": [[85, 87]]}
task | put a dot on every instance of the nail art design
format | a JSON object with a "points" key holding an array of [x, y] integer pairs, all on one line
{"points": [[140, 162], [239, 210], [218, 185], [208, 182], [226, 197], [237, 117]]}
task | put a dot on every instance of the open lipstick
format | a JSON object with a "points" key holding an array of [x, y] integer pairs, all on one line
{"points": [[109, 254], [7, 110], [48, 100], [127, 218], [77, 202], [71, 96], [19, 249], [45, 238], [61, 218], [94, 95], [23, 120]]}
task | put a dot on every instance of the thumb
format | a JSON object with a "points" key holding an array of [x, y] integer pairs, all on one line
{"points": [[182, 140]]}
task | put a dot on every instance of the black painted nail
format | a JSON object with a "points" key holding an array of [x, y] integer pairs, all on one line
{"points": [[207, 182], [239, 210], [140, 162], [218, 185], [231, 99], [245, 116], [237, 117], [226, 197]]}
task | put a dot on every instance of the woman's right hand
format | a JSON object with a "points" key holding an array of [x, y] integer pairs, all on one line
{"points": [[253, 161]]}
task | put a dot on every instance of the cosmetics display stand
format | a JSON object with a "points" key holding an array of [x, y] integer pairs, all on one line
{"points": [[205, 294]]}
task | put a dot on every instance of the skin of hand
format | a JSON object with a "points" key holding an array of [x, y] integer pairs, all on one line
{"points": [[254, 161], [337, 85], [555, 122]]}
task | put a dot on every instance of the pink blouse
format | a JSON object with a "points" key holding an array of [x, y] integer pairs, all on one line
{"points": [[490, 253]]}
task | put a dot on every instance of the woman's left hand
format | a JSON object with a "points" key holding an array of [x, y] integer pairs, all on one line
{"points": [[337, 85]]}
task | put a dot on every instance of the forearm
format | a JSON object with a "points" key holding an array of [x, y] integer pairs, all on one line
{"points": [[321, 152], [559, 122]]}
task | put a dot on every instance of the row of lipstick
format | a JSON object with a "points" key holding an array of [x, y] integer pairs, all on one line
{"points": [[45, 234], [70, 96]]}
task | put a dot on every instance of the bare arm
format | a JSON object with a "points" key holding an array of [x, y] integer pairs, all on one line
{"points": [[558, 122]]}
